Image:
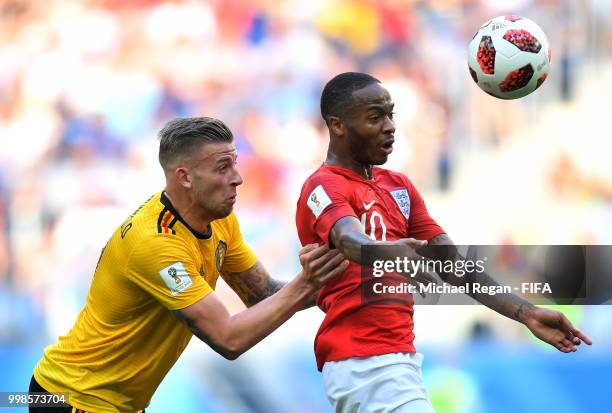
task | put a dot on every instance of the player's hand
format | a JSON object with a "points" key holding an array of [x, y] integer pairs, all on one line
{"points": [[424, 278], [555, 329], [320, 264], [408, 246], [421, 277], [411, 243]]}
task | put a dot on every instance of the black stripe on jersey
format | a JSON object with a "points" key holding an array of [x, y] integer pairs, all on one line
{"points": [[160, 219], [199, 235], [171, 225]]}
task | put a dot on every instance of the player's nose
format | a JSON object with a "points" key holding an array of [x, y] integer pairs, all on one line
{"points": [[388, 125], [236, 178]]}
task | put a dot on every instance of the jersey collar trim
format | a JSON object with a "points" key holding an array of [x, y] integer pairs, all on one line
{"points": [[200, 235], [349, 173]]}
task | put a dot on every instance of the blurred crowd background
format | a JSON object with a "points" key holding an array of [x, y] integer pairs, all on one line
{"points": [[86, 85]]}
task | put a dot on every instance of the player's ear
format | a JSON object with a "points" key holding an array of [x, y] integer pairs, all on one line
{"points": [[183, 177], [336, 126]]}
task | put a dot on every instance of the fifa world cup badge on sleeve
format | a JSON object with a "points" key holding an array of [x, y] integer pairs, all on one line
{"points": [[176, 277], [318, 200]]}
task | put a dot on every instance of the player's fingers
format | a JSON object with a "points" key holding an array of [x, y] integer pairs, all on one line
{"points": [[333, 273], [329, 261], [419, 289], [424, 278], [570, 330], [427, 278], [416, 281], [563, 348], [414, 243], [316, 262], [568, 344], [422, 293], [304, 252], [308, 247], [320, 266], [315, 253], [578, 333], [567, 326]]}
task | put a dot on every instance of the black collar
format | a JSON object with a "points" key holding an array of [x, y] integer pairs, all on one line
{"points": [[200, 235]]}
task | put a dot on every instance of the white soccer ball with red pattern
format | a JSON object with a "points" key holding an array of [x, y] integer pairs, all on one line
{"points": [[509, 57]]}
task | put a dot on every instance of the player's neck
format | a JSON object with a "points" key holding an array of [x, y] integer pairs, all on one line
{"points": [[365, 171], [188, 211]]}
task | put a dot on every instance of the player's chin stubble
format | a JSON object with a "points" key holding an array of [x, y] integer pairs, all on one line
{"points": [[223, 211]]}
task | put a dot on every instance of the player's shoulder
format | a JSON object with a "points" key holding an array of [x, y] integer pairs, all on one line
{"points": [[146, 234], [155, 216], [325, 171], [325, 175], [152, 222], [324, 181]]}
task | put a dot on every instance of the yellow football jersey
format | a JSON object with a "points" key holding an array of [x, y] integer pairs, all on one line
{"points": [[126, 338]]}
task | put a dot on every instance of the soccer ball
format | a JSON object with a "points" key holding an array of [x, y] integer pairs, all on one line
{"points": [[509, 57]]}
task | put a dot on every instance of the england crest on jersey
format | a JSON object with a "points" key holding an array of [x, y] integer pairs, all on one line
{"points": [[403, 200]]}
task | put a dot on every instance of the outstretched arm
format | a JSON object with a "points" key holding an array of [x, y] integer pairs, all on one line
{"points": [[253, 285], [549, 326], [256, 284], [348, 236], [231, 336]]}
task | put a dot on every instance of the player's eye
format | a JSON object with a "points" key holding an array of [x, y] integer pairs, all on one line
{"points": [[391, 115]]}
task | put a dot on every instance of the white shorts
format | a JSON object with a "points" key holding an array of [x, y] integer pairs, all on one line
{"points": [[377, 384]]}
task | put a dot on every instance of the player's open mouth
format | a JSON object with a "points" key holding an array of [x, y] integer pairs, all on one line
{"points": [[387, 147]]}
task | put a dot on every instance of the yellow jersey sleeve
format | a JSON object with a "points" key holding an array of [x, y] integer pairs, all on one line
{"points": [[239, 256], [165, 269]]}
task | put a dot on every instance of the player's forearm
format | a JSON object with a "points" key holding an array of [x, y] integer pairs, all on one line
{"points": [[350, 243], [253, 285], [255, 296], [272, 288], [509, 305], [252, 325], [348, 237]]}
